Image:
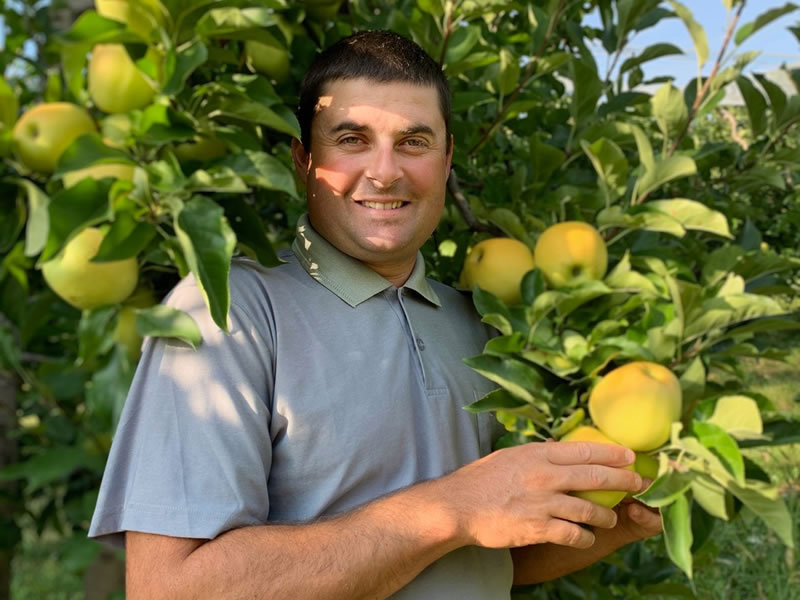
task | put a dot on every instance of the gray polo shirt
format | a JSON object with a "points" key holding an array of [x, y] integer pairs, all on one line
{"points": [[332, 388]]}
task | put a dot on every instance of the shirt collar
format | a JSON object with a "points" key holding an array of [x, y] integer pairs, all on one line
{"points": [[345, 276]]}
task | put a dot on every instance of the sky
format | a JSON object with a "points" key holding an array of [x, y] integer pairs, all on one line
{"points": [[778, 46]]}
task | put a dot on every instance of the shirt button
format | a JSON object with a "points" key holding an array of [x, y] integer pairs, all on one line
{"points": [[420, 344]]}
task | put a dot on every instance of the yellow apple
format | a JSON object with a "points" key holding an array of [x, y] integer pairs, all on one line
{"points": [[586, 433], [272, 61], [85, 284], [116, 130], [498, 265], [125, 333], [139, 15], [115, 83], [46, 130], [646, 465], [570, 253], [201, 149], [117, 171], [322, 10], [636, 404]]}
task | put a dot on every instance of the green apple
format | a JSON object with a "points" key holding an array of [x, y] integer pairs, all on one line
{"points": [[115, 83], [201, 149], [46, 130], [636, 404], [498, 265], [586, 433], [272, 61], [84, 284], [570, 253], [117, 171], [139, 15]]}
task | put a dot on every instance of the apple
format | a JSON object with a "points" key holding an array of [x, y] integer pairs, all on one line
{"points": [[322, 10], [46, 130], [636, 404], [498, 265], [570, 253], [139, 15], [272, 61], [201, 149], [116, 130], [117, 171], [115, 83], [587, 433], [85, 284]]}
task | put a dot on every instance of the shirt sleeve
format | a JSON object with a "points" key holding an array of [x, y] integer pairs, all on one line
{"points": [[191, 455]]}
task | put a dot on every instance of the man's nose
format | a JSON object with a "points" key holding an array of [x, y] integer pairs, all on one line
{"points": [[384, 169]]}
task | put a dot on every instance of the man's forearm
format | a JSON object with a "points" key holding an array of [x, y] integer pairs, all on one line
{"points": [[369, 553]]}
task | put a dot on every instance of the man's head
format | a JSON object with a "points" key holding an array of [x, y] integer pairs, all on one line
{"points": [[379, 56], [376, 150]]}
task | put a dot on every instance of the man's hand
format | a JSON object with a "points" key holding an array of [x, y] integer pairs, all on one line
{"points": [[520, 496], [635, 521]]}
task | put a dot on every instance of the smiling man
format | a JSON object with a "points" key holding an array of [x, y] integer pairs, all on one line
{"points": [[320, 450]]}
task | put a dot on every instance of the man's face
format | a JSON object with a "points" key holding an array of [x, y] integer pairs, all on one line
{"points": [[377, 170]]}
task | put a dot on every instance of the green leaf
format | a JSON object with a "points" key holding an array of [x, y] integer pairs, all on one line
{"points": [[227, 22], [126, 238], [508, 74], [648, 54], [89, 150], [623, 277], [505, 344], [696, 31], [765, 503], [664, 170], [518, 378], [723, 445], [255, 112], [693, 215], [9, 105], [777, 98], [677, 523], [95, 333], [188, 58], [216, 179], [262, 170], [639, 219], [207, 242], [461, 43], [71, 210], [37, 226], [669, 110], [167, 322], [51, 465], [667, 489], [587, 88], [739, 416], [250, 234], [611, 165], [748, 29], [532, 285], [693, 381], [487, 303], [756, 105], [502, 400], [711, 496], [106, 395], [717, 313]]}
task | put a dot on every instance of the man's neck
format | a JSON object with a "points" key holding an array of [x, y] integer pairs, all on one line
{"points": [[396, 274]]}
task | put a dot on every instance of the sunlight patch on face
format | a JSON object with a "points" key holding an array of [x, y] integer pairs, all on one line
{"points": [[323, 102]]}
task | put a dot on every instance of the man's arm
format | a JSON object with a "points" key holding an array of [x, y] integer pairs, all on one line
{"points": [[543, 562], [513, 497]]}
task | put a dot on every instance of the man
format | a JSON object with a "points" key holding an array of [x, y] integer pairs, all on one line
{"points": [[320, 450]]}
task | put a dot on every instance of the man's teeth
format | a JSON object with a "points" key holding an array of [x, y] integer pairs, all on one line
{"points": [[383, 205]]}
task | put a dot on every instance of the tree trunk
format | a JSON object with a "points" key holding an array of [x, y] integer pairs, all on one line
{"points": [[8, 491]]}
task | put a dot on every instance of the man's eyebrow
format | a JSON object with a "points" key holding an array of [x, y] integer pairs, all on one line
{"points": [[418, 128]]}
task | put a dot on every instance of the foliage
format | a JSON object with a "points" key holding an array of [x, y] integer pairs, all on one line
{"points": [[542, 135]]}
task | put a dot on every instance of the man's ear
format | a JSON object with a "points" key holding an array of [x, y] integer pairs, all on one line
{"points": [[301, 158]]}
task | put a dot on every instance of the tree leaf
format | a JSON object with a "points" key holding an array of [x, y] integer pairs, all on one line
{"points": [[188, 58], [261, 170], [764, 501], [648, 54], [693, 215], [9, 105], [723, 445], [669, 110], [461, 43], [207, 242], [710, 496], [517, 377], [587, 88], [667, 488], [677, 523], [739, 416], [640, 219], [37, 227], [696, 31], [611, 165], [756, 105], [717, 313], [250, 233], [167, 322], [126, 238], [664, 170], [90, 150], [748, 29]]}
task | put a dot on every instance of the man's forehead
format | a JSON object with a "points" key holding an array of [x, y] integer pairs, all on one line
{"points": [[357, 100]]}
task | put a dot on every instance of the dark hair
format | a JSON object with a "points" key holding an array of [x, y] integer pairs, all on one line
{"points": [[381, 56]]}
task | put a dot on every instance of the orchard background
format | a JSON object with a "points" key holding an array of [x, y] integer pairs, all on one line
{"points": [[697, 200]]}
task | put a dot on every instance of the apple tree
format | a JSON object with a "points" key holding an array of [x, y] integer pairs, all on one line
{"points": [[186, 164]]}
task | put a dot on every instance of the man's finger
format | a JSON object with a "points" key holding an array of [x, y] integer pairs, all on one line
{"points": [[577, 453], [601, 477], [577, 510]]}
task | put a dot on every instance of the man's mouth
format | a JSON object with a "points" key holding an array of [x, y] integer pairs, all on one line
{"points": [[383, 205]]}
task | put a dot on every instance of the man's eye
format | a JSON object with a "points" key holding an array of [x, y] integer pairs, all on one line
{"points": [[350, 140], [416, 142]]}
